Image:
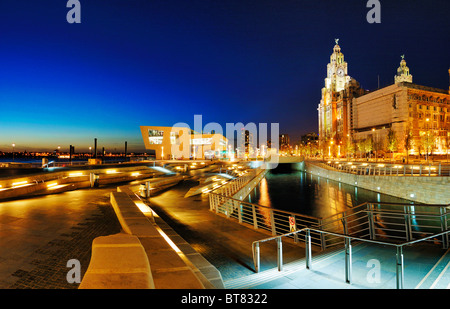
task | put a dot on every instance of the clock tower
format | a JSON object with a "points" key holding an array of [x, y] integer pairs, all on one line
{"points": [[335, 108], [337, 75]]}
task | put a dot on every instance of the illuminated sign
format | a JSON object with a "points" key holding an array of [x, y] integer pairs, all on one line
{"points": [[201, 141]]}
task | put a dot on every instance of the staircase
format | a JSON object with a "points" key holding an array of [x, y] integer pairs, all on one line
{"points": [[373, 267]]}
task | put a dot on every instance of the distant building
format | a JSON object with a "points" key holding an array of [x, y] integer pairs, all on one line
{"points": [[284, 142], [247, 147], [310, 137], [349, 113], [406, 109], [183, 143]]}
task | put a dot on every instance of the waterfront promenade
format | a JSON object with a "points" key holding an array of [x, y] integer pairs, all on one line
{"points": [[40, 234]]}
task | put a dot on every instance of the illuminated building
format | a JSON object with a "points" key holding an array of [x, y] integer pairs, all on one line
{"points": [[183, 143], [407, 109], [335, 107], [284, 143], [349, 114]]}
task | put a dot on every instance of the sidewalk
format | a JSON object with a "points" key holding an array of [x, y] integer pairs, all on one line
{"points": [[224, 243]]}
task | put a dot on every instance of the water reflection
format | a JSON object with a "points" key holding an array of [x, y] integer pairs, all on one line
{"points": [[316, 196], [263, 198]]}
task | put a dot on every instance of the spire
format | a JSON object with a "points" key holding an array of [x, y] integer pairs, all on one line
{"points": [[403, 74]]}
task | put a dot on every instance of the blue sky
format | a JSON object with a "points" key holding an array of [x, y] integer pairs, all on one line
{"points": [[144, 62]]}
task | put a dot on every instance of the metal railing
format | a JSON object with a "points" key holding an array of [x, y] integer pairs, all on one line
{"points": [[347, 249], [389, 169], [400, 222]]}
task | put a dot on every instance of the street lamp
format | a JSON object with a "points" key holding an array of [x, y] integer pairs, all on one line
{"points": [[427, 141], [13, 145], [375, 145]]}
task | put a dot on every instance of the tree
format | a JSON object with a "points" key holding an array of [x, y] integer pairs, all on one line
{"points": [[350, 147], [392, 142], [427, 140], [368, 144], [360, 145], [408, 142]]}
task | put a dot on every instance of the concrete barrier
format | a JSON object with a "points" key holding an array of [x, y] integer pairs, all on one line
{"points": [[168, 269], [37, 184], [422, 189], [118, 262]]}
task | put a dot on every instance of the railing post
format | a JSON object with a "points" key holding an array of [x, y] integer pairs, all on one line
{"points": [[323, 243], [399, 267], [348, 261], [308, 249], [229, 207], [279, 254], [272, 223], [344, 223], [439, 168], [408, 230], [371, 223], [255, 220], [444, 227], [239, 210]]}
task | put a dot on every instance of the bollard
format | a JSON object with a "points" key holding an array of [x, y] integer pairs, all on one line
{"points": [[348, 261], [308, 249], [399, 268], [279, 254]]}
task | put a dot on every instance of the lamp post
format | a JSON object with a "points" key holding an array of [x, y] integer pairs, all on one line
{"points": [[329, 148], [427, 141], [13, 146], [375, 144]]}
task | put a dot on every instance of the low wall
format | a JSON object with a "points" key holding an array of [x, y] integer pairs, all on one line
{"points": [[118, 262], [36, 184], [167, 269], [245, 191], [421, 189]]}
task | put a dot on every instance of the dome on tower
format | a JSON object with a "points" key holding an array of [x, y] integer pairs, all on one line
{"points": [[403, 74]]}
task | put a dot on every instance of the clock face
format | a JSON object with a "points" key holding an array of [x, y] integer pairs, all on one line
{"points": [[340, 72]]}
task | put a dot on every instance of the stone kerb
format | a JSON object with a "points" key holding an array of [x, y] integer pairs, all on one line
{"points": [[118, 262], [422, 189], [168, 269]]}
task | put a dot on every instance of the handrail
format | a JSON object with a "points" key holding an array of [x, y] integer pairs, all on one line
{"points": [[266, 207], [348, 239]]}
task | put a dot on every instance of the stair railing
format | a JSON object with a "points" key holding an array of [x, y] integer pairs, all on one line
{"points": [[348, 251]]}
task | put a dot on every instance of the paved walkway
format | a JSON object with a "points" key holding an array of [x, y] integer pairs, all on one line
{"points": [[225, 244], [39, 235]]}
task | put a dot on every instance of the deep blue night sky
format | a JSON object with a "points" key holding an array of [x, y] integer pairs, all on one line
{"points": [[146, 62]]}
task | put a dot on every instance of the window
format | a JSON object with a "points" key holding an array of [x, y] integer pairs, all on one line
{"points": [[155, 137], [174, 138]]}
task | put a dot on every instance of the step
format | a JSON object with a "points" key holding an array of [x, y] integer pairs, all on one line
{"points": [[439, 275], [318, 260]]}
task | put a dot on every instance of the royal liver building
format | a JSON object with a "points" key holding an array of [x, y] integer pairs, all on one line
{"points": [[348, 114]]}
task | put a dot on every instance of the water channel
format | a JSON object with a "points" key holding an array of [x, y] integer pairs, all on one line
{"points": [[307, 194]]}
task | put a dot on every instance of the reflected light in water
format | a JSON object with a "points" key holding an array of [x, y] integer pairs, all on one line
{"points": [[264, 200]]}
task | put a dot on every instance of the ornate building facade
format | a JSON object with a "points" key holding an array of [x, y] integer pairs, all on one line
{"points": [[335, 108], [418, 116]]}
